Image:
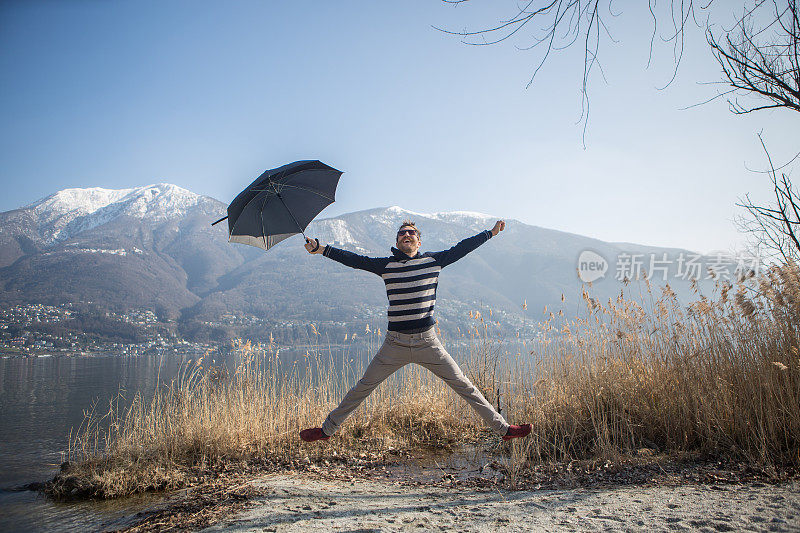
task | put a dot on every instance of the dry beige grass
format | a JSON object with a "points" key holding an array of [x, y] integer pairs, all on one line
{"points": [[720, 378], [209, 418]]}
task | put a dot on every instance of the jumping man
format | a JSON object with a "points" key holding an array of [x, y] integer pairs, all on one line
{"points": [[411, 279]]}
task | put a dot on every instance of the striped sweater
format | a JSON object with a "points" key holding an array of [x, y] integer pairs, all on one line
{"points": [[410, 281]]}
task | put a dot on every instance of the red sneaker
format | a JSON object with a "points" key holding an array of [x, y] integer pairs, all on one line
{"points": [[312, 434], [517, 431]]}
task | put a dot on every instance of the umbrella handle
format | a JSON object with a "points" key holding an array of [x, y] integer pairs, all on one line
{"points": [[316, 247]]}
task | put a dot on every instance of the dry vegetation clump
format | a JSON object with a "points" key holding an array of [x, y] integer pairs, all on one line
{"points": [[209, 419], [717, 378]]}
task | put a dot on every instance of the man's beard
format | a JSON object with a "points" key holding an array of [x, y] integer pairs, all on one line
{"points": [[407, 248]]}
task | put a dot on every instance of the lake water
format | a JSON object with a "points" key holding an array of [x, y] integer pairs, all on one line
{"points": [[43, 398]]}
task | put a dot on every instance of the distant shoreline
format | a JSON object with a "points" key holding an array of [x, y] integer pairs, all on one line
{"points": [[8, 354]]}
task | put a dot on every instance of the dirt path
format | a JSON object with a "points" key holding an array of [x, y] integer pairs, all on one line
{"points": [[295, 503]]}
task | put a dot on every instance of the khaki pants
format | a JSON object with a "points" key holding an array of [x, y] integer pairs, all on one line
{"points": [[424, 349]]}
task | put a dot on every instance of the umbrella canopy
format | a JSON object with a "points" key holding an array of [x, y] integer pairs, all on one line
{"points": [[281, 203]]}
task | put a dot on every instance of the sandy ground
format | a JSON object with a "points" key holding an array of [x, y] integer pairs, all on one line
{"points": [[296, 503]]}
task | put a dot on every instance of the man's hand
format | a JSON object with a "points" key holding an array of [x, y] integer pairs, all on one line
{"points": [[311, 244], [499, 226]]}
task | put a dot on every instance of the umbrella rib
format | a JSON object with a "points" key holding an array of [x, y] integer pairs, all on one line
{"points": [[245, 206], [267, 187], [309, 190], [291, 214], [261, 216]]}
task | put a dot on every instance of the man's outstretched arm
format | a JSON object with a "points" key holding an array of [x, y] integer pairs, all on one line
{"points": [[464, 247], [361, 262]]}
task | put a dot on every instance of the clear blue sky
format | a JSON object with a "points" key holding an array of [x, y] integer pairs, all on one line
{"points": [[207, 95]]}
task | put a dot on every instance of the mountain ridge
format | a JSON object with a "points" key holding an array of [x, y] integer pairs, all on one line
{"points": [[154, 247]]}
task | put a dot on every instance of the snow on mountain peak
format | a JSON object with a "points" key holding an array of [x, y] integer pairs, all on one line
{"points": [[447, 216], [160, 201], [79, 201], [71, 211], [442, 215], [399, 210]]}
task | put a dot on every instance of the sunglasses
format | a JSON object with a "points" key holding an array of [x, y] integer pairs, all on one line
{"points": [[406, 232]]}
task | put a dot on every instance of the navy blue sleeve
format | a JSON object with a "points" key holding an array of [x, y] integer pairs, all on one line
{"points": [[461, 249], [361, 262]]}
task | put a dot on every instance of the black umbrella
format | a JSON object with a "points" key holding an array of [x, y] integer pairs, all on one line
{"points": [[281, 203]]}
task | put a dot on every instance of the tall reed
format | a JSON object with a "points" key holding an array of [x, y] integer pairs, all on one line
{"points": [[210, 417], [718, 377]]}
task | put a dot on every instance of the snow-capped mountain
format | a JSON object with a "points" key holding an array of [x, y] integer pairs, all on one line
{"points": [[71, 211], [143, 246], [154, 247]]}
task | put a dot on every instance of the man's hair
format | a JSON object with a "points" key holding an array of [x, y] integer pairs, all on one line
{"points": [[410, 224]]}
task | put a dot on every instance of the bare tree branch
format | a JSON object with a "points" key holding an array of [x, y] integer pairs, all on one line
{"points": [[762, 61], [560, 23], [774, 228]]}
